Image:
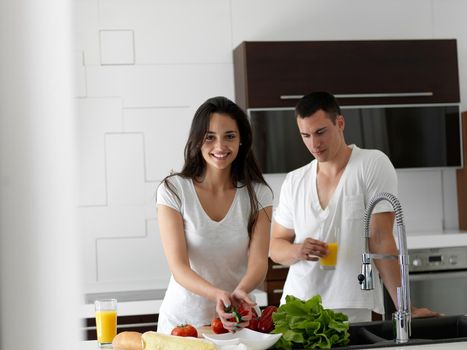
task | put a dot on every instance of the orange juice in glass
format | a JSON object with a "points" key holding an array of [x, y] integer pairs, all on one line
{"points": [[329, 261], [106, 321]]}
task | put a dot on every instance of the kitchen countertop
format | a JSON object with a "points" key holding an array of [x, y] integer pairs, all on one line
{"points": [[448, 239], [92, 345]]}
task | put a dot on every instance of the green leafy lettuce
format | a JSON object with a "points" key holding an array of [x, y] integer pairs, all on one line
{"points": [[307, 325]]}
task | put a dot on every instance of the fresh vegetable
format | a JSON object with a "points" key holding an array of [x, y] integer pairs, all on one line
{"points": [[265, 323], [217, 326], [253, 325], [185, 330], [238, 313], [307, 325]]}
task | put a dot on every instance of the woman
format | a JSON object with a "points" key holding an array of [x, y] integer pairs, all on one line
{"points": [[214, 220]]}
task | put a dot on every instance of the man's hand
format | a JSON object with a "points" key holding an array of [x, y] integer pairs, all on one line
{"points": [[311, 249], [423, 312]]}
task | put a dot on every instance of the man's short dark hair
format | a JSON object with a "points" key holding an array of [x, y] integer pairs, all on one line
{"points": [[315, 101]]}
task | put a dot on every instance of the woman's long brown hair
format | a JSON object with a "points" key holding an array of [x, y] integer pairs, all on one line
{"points": [[244, 171]]}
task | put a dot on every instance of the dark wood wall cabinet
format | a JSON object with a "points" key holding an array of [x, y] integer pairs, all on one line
{"points": [[276, 74]]}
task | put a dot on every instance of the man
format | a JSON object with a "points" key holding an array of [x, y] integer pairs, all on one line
{"points": [[333, 192]]}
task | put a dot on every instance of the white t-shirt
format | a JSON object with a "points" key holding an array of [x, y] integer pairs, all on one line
{"points": [[218, 251], [367, 173]]}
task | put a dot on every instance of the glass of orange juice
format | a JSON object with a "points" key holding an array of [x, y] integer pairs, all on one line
{"points": [[332, 240], [106, 321]]}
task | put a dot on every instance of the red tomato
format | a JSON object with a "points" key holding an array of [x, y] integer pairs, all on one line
{"points": [[185, 330], [253, 325], [217, 326]]}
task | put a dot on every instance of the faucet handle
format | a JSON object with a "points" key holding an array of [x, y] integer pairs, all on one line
{"points": [[365, 278]]}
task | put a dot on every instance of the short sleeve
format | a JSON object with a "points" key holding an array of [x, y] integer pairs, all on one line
{"points": [[381, 177], [168, 196], [264, 195], [283, 213]]}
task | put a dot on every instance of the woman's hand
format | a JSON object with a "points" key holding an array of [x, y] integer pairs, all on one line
{"points": [[223, 303], [311, 249], [240, 302], [240, 297]]}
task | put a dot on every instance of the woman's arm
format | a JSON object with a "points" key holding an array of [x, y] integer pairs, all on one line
{"points": [[175, 249], [257, 257]]}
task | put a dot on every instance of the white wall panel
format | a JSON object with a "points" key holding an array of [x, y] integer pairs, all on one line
{"points": [[164, 129], [88, 262], [125, 169], [450, 208], [138, 259], [275, 182], [330, 20], [96, 116], [449, 22], [421, 197], [96, 223], [86, 29], [176, 31], [117, 47], [112, 221], [79, 75], [161, 86]]}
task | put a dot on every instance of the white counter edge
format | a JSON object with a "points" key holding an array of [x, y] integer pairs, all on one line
{"points": [[147, 307]]}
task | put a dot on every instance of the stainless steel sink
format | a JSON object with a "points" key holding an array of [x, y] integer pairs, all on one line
{"points": [[444, 329]]}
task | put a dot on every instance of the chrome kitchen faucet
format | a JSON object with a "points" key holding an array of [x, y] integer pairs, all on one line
{"points": [[401, 319]]}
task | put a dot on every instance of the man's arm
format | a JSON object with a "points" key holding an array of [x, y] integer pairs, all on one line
{"points": [[382, 242], [284, 251]]}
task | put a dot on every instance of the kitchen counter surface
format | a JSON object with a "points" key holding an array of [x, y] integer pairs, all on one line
{"points": [[451, 239], [92, 345]]}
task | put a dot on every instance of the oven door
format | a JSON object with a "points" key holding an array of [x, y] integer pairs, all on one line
{"points": [[443, 292]]}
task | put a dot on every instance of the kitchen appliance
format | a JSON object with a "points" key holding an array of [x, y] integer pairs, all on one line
{"points": [[438, 280], [412, 136]]}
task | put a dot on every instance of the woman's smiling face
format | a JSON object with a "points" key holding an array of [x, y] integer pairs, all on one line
{"points": [[222, 141]]}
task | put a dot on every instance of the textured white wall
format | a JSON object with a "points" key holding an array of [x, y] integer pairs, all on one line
{"points": [[142, 69]]}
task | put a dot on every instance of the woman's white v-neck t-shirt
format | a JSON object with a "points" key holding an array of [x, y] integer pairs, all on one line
{"points": [[367, 173], [217, 250]]}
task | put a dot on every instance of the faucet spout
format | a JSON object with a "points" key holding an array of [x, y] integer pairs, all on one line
{"points": [[402, 317]]}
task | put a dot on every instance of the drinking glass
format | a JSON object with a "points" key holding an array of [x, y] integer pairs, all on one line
{"points": [[106, 321], [332, 239]]}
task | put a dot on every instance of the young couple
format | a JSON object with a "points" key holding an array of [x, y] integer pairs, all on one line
{"points": [[215, 217]]}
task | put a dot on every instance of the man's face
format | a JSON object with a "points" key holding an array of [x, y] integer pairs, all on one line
{"points": [[323, 139]]}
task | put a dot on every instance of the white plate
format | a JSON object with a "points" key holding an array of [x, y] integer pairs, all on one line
{"points": [[253, 340]]}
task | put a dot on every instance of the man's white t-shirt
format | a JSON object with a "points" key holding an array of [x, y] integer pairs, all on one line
{"points": [[218, 251], [367, 173]]}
